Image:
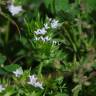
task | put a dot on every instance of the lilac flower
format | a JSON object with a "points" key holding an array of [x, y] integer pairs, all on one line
{"points": [[33, 81], [1, 88], [38, 84], [54, 23], [14, 9], [18, 72], [40, 31]]}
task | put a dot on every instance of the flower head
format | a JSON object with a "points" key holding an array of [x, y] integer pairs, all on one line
{"points": [[40, 31], [14, 9], [33, 81], [1, 88], [38, 84], [54, 23], [18, 72]]}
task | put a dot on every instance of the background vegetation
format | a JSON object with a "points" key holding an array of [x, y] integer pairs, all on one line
{"points": [[67, 68]]}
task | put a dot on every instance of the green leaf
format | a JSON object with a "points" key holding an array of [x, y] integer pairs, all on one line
{"points": [[10, 91], [91, 4], [2, 71], [61, 94], [2, 58], [33, 94], [94, 65], [59, 5], [25, 2], [11, 68], [76, 90]]}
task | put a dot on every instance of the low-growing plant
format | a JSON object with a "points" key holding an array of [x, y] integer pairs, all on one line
{"points": [[47, 48]]}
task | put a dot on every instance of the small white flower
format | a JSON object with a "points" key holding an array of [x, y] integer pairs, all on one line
{"points": [[46, 26], [14, 9], [40, 31], [1, 88], [18, 72], [33, 81], [38, 84], [54, 23]]}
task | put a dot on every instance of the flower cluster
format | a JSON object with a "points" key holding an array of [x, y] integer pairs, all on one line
{"points": [[42, 34], [33, 81]]}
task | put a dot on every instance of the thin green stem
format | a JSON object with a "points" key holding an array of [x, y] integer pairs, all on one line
{"points": [[69, 37], [11, 20]]}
